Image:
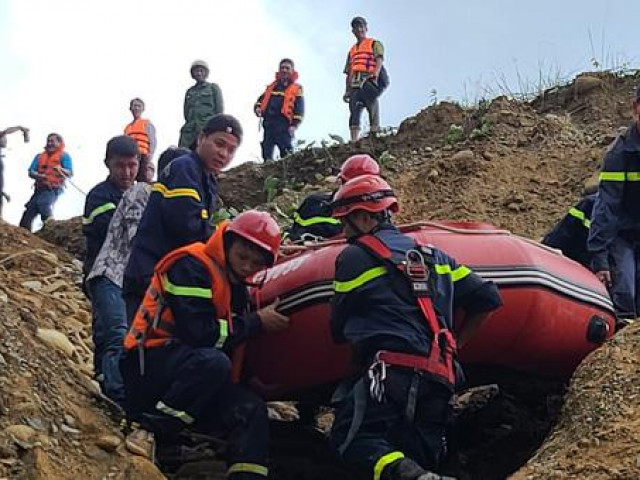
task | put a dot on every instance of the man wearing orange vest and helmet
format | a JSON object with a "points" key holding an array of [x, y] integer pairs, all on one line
{"points": [[394, 302], [144, 133], [49, 169], [177, 362], [281, 107], [366, 78], [313, 218]]}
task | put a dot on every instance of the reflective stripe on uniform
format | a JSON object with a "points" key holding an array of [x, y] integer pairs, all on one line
{"points": [[224, 332], [619, 176], [305, 222], [176, 192], [384, 461], [185, 291], [457, 274], [172, 412], [371, 274], [248, 468], [106, 207], [579, 214]]}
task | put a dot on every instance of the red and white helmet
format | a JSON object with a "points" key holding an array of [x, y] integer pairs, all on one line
{"points": [[358, 165], [366, 192], [260, 229]]}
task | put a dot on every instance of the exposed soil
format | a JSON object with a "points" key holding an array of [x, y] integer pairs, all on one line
{"points": [[521, 170]]}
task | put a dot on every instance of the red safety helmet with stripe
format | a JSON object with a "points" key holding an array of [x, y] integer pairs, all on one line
{"points": [[358, 165], [258, 228], [366, 192]]}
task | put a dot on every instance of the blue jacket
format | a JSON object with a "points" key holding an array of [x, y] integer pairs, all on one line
{"points": [[373, 309], [178, 212], [99, 207], [571, 233], [313, 216], [616, 211], [195, 316]]}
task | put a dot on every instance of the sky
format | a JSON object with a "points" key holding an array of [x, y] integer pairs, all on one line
{"points": [[71, 66]]}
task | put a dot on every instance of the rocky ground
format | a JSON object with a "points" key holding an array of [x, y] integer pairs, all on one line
{"points": [[518, 166]]}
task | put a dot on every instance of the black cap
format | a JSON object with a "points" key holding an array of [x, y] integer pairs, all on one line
{"points": [[122, 145], [358, 21], [223, 123]]}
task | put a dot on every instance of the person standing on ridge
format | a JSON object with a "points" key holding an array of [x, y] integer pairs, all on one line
{"points": [[281, 107], [144, 133], [3, 145], [366, 78], [201, 102], [49, 169], [614, 236]]}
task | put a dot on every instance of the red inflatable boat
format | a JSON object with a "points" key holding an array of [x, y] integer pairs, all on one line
{"points": [[555, 311]]}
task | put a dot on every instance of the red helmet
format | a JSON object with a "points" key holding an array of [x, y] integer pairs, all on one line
{"points": [[258, 228], [366, 192], [357, 165]]}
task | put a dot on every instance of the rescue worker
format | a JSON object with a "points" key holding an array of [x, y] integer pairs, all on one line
{"points": [[394, 302], [105, 280], [366, 78], [181, 204], [3, 145], [571, 233], [49, 169], [102, 200], [177, 366], [312, 220], [144, 133], [281, 107], [201, 102], [614, 237]]}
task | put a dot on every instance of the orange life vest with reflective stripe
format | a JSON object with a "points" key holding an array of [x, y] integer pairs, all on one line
{"points": [[290, 94], [138, 131], [154, 323], [361, 57], [48, 165]]}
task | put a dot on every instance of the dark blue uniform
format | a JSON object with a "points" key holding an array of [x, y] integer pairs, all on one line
{"points": [[188, 382], [178, 213], [99, 207], [571, 233], [614, 238], [373, 310], [313, 217], [276, 125]]}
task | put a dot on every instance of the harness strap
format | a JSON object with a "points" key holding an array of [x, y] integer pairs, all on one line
{"points": [[359, 408]]}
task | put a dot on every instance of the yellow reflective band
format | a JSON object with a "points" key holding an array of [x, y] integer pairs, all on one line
{"points": [[612, 176], [344, 287], [204, 214], [633, 176], [224, 332], [248, 468], [98, 211], [185, 291], [305, 222], [176, 192], [172, 412], [574, 212], [457, 274], [384, 461]]}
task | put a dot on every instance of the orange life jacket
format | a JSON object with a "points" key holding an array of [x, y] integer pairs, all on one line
{"points": [[138, 131], [48, 164], [361, 57], [154, 324], [290, 94]]}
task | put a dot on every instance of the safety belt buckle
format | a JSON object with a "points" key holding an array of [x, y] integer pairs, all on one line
{"points": [[377, 374]]}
